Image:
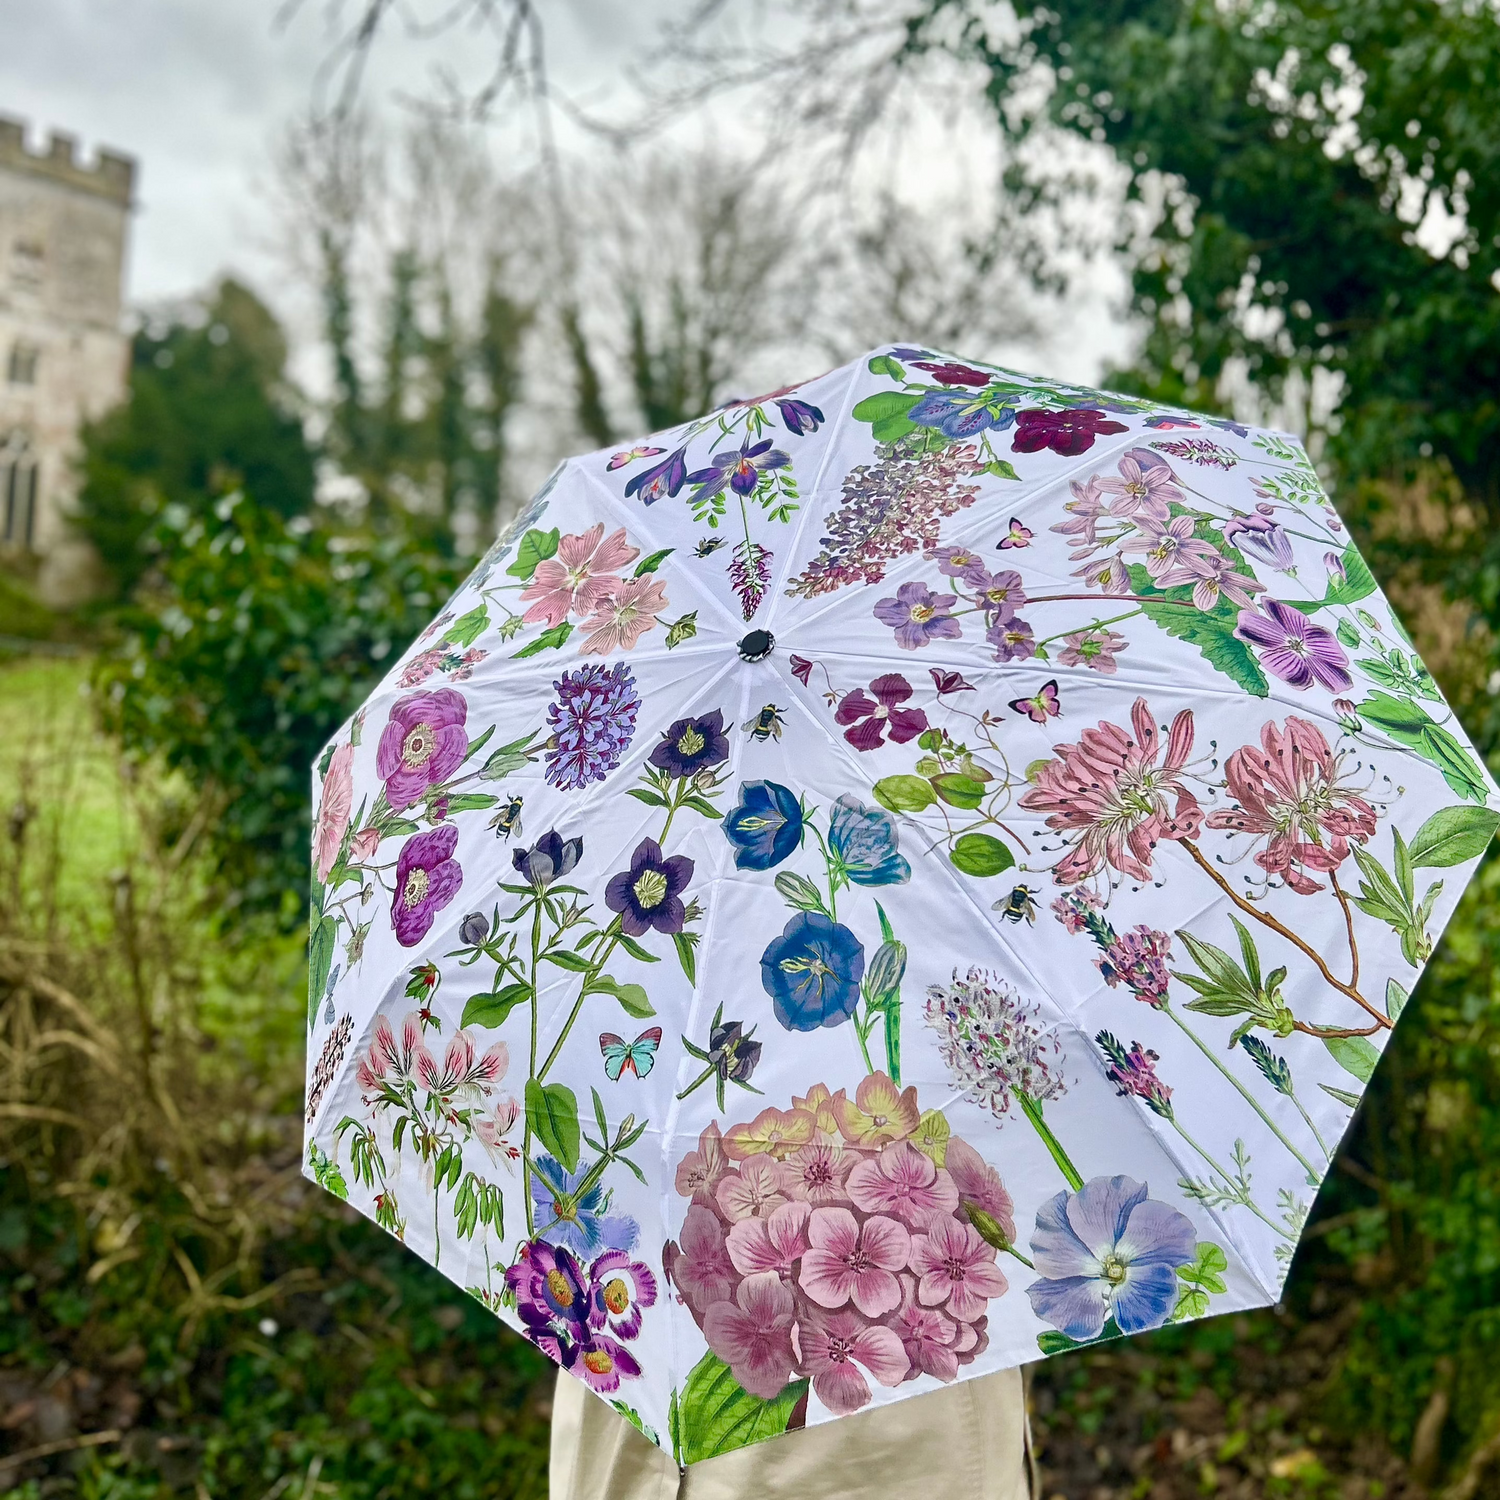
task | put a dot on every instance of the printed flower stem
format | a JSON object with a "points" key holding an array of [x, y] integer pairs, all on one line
{"points": [[1165, 1008], [1241, 1197], [606, 947], [1129, 614], [1338, 891], [1033, 1111], [1011, 1250], [536, 947], [1317, 1134], [1267, 920]]}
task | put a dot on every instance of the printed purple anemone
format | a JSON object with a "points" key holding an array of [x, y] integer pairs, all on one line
{"points": [[648, 894], [423, 742], [1294, 649], [919, 616], [427, 879]]}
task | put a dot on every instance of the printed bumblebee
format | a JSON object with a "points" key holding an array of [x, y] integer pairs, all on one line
{"points": [[1020, 903], [708, 544], [767, 724], [508, 820]]}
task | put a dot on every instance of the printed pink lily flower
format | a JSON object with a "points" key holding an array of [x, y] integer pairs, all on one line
{"points": [[388, 1056], [849, 1261], [580, 577], [463, 1069], [494, 1128], [334, 809], [1290, 793], [957, 1269], [832, 1349], [1169, 545], [1110, 796], [753, 1334], [1210, 577], [903, 1182]]}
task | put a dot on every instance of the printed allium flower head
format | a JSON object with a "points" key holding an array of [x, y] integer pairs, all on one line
{"points": [[423, 742], [592, 724], [789, 1275], [918, 616], [334, 809], [993, 1043], [580, 577], [1146, 488], [1111, 798], [870, 716], [1293, 648], [1289, 793], [427, 879], [1108, 1251]]}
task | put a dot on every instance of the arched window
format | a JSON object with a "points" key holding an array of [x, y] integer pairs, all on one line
{"points": [[18, 486]]}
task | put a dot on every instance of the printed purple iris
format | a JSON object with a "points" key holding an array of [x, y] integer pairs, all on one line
{"points": [[919, 616], [739, 469], [799, 416], [1293, 648], [427, 879], [423, 742], [648, 894], [665, 478], [1108, 1252], [592, 724]]}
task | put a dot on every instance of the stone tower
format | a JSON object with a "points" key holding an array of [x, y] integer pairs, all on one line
{"points": [[63, 353]]}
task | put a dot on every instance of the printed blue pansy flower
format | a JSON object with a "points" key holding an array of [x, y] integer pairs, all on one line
{"points": [[1108, 1251], [764, 826], [665, 478], [740, 468], [864, 840], [581, 1221], [959, 414], [812, 972]]}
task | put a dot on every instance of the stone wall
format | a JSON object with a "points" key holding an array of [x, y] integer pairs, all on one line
{"points": [[63, 354]]}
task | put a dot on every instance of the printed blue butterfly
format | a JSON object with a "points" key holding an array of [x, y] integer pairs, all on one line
{"points": [[639, 1056]]}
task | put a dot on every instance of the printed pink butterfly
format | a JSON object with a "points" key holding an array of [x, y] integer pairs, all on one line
{"points": [[629, 456], [1017, 536], [1041, 706]]}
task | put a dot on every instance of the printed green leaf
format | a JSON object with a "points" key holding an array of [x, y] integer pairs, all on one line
{"points": [[632, 997], [319, 961], [958, 790], [552, 1113], [716, 1414], [980, 855], [1406, 722], [1358, 582], [1053, 1342], [1348, 635], [470, 801], [1354, 1054], [1453, 835], [1396, 996], [885, 364], [490, 1009], [546, 641], [565, 959], [687, 954], [1002, 468], [904, 794], [466, 629], [536, 547], [682, 630], [1344, 1097], [886, 411], [652, 563], [1211, 631]]}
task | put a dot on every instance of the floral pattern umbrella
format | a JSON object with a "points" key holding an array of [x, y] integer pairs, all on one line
{"points": [[890, 880]]}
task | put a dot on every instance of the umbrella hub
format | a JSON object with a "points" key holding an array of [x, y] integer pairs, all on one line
{"points": [[756, 645]]}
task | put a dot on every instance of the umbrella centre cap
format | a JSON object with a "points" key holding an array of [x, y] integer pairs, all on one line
{"points": [[756, 645]]}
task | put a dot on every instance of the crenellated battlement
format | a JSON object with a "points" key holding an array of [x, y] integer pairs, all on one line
{"points": [[111, 176]]}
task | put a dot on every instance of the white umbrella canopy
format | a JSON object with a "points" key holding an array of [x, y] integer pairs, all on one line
{"points": [[885, 882]]}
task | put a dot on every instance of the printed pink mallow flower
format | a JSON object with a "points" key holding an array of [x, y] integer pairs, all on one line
{"points": [[579, 578], [753, 1334], [903, 1182], [982, 1196], [849, 1261], [1146, 488], [1290, 793], [702, 1270], [1112, 799], [333, 809], [754, 1191], [699, 1172], [816, 1173], [832, 1347], [774, 1243], [957, 1269], [619, 621]]}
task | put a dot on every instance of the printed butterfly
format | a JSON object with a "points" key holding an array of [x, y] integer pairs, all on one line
{"points": [[1017, 536], [639, 1056], [1040, 707], [629, 456]]}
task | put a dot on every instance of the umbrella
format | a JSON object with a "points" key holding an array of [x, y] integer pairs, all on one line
{"points": [[890, 880]]}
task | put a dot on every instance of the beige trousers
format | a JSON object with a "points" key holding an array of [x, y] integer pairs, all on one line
{"points": [[969, 1441]]}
